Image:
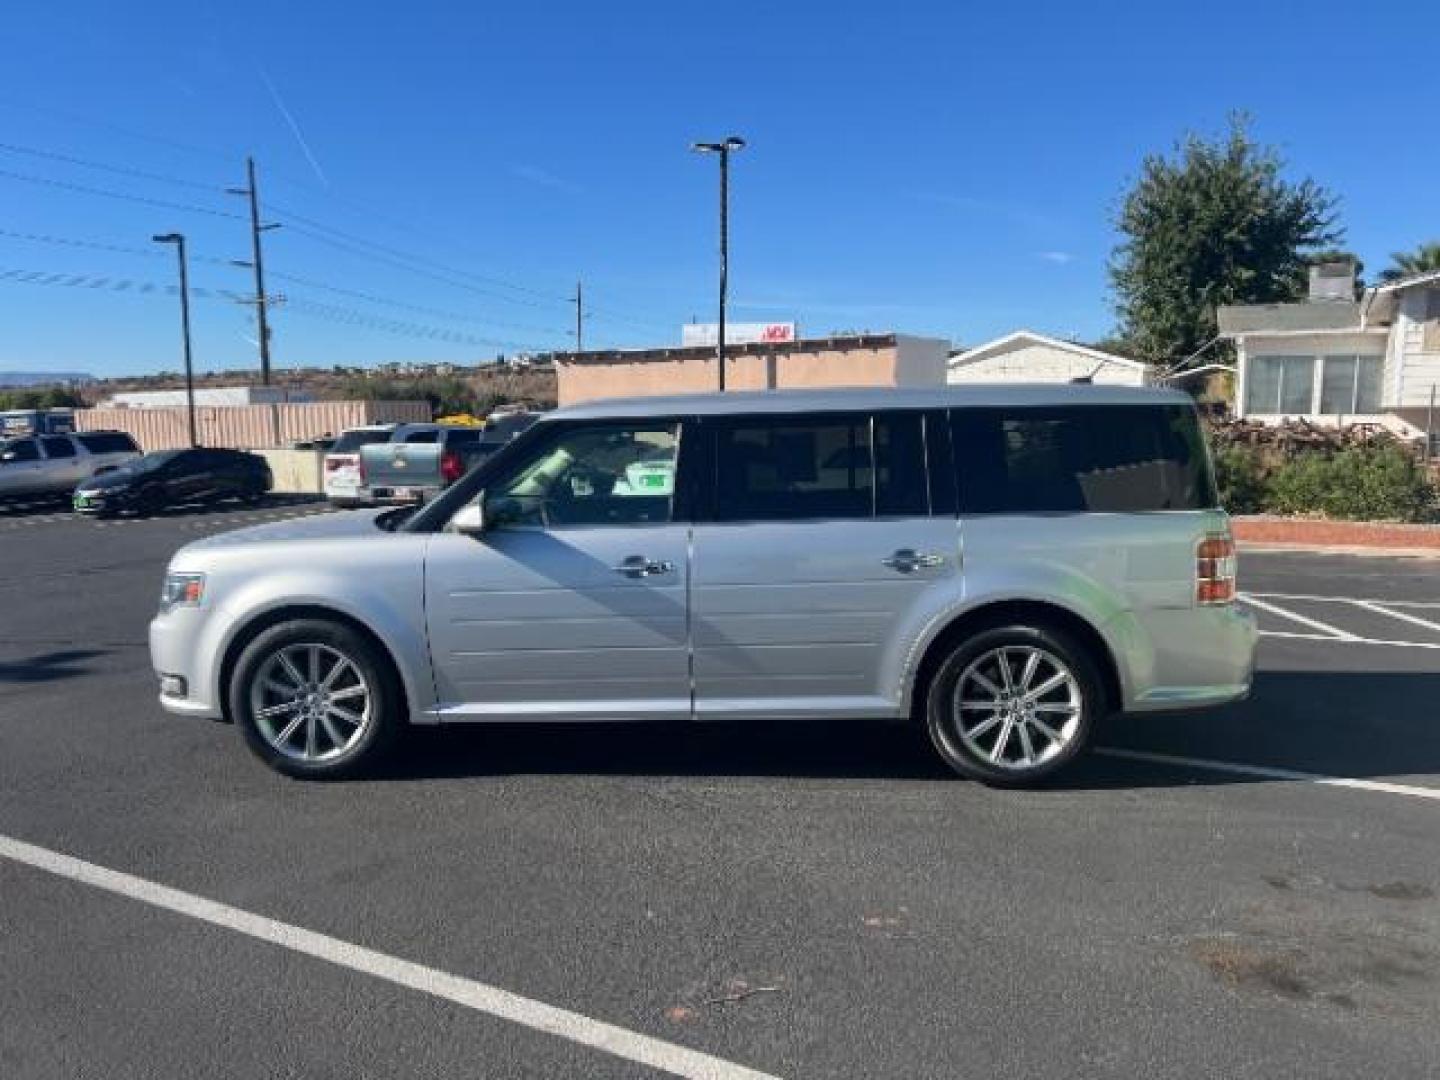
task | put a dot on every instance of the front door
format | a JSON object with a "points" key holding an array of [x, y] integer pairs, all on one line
{"points": [[823, 541], [572, 605]]}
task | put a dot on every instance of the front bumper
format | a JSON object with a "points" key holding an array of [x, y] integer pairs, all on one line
{"points": [[179, 647]]}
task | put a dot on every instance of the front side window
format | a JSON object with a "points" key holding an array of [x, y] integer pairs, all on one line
{"points": [[1093, 458], [843, 466], [610, 474], [20, 450]]}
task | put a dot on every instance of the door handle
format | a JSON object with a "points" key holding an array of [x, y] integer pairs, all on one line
{"points": [[638, 566], [908, 560]]}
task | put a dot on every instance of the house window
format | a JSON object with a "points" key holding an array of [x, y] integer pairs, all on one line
{"points": [[1280, 384], [1350, 385]]}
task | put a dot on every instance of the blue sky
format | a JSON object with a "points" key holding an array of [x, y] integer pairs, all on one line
{"points": [[940, 168]]}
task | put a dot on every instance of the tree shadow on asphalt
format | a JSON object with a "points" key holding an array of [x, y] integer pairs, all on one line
{"points": [[49, 667], [1354, 724]]}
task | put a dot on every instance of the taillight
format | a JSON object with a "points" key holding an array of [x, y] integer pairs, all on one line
{"points": [[1215, 569], [451, 467]]}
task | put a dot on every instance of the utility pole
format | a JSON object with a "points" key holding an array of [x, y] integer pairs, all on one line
{"points": [[579, 320], [178, 239], [724, 149], [257, 262]]}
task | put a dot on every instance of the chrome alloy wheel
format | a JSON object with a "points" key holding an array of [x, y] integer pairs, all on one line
{"points": [[310, 702], [1017, 707]]}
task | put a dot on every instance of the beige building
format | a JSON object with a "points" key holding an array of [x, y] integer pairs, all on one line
{"points": [[851, 360]]}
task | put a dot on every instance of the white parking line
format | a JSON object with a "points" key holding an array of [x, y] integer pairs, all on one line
{"points": [[1371, 605], [1304, 620], [1270, 773], [618, 1041], [1345, 600], [1350, 640]]}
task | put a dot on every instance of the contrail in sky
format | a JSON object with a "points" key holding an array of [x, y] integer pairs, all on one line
{"points": [[294, 127]]}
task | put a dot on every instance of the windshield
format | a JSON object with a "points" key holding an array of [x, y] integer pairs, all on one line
{"points": [[351, 441], [151, 462]]}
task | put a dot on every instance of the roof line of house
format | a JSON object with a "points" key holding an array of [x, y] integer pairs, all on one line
{"points": [[979, 352]]}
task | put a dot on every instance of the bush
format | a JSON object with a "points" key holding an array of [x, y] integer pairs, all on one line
{"points": [[1361, 483], [1378, 481], [1241, 479]]}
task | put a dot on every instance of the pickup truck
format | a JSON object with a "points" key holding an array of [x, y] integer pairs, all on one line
{"points": [[45, 466], [417, 461]]}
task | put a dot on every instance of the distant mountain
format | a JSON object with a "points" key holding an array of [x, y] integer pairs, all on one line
{"points": [[13, 379]]}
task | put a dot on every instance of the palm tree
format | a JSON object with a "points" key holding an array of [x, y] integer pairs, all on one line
{"points": [[1425, 259]]}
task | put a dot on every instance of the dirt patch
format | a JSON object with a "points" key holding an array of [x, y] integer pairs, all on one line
{"points": [[1246, 966], [1401, 890]]}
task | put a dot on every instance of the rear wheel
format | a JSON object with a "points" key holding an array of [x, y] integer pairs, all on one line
{"points": [[316, 699], [1013, 705]]}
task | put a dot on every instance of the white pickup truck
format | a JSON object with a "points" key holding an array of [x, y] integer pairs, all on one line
{"points": [[44, 466]]}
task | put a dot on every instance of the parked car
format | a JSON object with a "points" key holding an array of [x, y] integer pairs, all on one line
{"points": [[1002, 566], [37, 466], [342, 463], [175, 478], [421, 460]]}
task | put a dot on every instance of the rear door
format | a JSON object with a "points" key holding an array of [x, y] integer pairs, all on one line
{"points": [[66, 466], [822, 535], [573, 603]]}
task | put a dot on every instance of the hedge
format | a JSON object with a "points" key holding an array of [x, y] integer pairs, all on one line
{"points": [[1377, 481]]}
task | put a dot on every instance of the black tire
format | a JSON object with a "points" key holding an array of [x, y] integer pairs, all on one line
{"points": [[975, 658], [148, 503], [384, 721]]}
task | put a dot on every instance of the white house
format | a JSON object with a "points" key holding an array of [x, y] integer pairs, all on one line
{"points": [[1333, 359], [1026, 356]]}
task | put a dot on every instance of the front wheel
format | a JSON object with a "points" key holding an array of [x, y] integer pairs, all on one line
{"points": [[1013, 705], [316, 699]]}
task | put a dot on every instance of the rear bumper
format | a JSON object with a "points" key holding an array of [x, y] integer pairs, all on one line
{"points": [[1185, 658]]}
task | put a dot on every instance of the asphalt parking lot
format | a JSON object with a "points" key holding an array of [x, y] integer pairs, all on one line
{"points": [[1251, 892]]}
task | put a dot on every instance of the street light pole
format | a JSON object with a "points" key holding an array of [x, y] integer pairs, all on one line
{"points": [[724, 149], [178, 239]]}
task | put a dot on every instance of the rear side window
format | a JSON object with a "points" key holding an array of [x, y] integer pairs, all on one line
{"points": [[351, 441], [108, 442], [58, 446], [850, 465], [1095, 458], [430, 436]]}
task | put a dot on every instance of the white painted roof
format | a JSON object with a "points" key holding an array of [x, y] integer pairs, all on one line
{"points": [[1004, 344]]}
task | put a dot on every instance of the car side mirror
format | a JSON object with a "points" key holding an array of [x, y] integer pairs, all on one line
{"points": [[469, 520]]}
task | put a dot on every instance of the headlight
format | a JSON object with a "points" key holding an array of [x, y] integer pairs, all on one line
{"points": [[182, 590]]}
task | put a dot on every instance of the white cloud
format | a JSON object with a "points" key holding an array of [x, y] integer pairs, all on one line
{"points": [[1059, 258]]}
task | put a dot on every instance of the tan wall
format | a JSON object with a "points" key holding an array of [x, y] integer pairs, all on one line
{"points": [[247, 427], [296, 470], [775, 371]]}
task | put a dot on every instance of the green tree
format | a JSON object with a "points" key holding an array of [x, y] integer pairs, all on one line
{"points": [[1215, 223], [1425, 259]]}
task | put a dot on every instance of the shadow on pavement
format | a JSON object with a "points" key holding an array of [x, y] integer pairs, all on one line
{"points": [[48, 667], [1355, 724]]}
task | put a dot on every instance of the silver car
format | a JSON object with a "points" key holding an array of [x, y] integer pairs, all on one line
{"points": [[1003, 565]]}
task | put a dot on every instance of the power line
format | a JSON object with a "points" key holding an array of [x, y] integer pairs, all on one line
{"points": [[121, 170], [107, 193], [299, 305], [299, 279], [420, 259]]}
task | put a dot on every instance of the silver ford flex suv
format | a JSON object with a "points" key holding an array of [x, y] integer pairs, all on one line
{"points": [[1004, 565]]}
